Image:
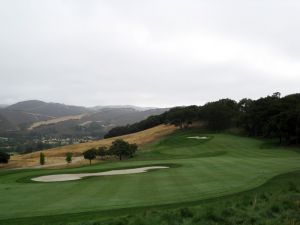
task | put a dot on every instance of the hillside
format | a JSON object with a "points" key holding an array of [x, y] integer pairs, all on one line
{"points": [[34, 113], [56, 155], [48, 109], [55, 120], [94, 124], [5, 125], [24, 114], [20, 119], [121, 116]]}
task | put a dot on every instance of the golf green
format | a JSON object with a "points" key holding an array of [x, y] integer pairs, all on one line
{"points": [[200, 169]]}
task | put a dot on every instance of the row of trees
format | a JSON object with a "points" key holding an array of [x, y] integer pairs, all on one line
{"points": [[119, 148], [271, 116], [151, 121], [217, 115]]}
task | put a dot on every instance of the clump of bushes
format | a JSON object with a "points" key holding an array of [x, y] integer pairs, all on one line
{"points": [[119, 148]]}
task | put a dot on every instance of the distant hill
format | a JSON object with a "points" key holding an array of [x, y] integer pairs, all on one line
{"points": [[20, 119], [48, 109], [6, 125], [121, 116], [57, 119], [138, 108], [97, 123], [3, 106]]}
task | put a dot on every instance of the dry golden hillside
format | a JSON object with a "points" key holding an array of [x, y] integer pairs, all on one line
{"points": [[56, 156], [55, 120]]}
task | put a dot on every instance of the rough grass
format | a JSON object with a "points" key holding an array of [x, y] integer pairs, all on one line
{"points": [[56, 156], [275, 203], [205, 169]]}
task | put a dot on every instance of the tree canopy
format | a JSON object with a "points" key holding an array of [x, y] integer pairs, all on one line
{"points": [[271, 116], [90, 154], [122, 148]]}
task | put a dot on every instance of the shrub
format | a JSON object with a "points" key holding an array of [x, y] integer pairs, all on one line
{"points": [[69, 156], [4, 157], [42, 158]]}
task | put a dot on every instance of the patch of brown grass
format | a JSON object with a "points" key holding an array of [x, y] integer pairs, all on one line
{"points": [[55, 156], [55, 120]]}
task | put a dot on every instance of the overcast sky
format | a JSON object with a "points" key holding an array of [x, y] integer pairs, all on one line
{"points": [[148, 53]]}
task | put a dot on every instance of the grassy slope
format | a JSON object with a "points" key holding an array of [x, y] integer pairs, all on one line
{"points": [[275, 203], [56, 155], [223, 165]]}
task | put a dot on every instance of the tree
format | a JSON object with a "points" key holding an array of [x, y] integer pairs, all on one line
{"points": [[42, 158], [219, 115], [122, 148], [102, 151], [90, 154], [69, 156], [4, 157], [132, 149]]}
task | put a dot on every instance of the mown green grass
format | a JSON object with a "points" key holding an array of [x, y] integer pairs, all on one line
{"points": [[275, 203], [201, 169]]}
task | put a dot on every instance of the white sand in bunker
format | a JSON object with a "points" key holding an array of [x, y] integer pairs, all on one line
{"points": [[78, 176], [198, 137]]}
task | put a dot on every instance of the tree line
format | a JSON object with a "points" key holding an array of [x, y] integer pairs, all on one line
{"points": [[271, 116]]}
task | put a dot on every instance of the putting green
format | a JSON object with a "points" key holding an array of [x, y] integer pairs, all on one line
{"points": [[200, 169]]}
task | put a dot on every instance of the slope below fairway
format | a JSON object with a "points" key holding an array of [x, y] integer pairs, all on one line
{"points": [[199, 169]]}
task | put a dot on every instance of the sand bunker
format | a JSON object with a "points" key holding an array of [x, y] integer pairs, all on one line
{"points": [[78, 176], [198, 137]]}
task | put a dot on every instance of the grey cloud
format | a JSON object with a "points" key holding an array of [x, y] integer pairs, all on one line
{"points": [[158, 53]]}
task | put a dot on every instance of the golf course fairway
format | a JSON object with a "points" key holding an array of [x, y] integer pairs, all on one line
{"points": [[200, 169]]}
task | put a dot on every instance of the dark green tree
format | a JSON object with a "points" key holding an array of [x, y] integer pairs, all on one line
{"points": [[4, 157], [69, 157], [182, 116], [132, 150], [219, 115], [122, 148], [42, 158], [102, 151], [90, 154]]}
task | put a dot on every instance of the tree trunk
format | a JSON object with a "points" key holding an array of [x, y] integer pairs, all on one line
{"points": [[120, 157], [90, 162]]}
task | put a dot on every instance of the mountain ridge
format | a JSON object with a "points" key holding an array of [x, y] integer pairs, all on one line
{"points": [[40, 116]]}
